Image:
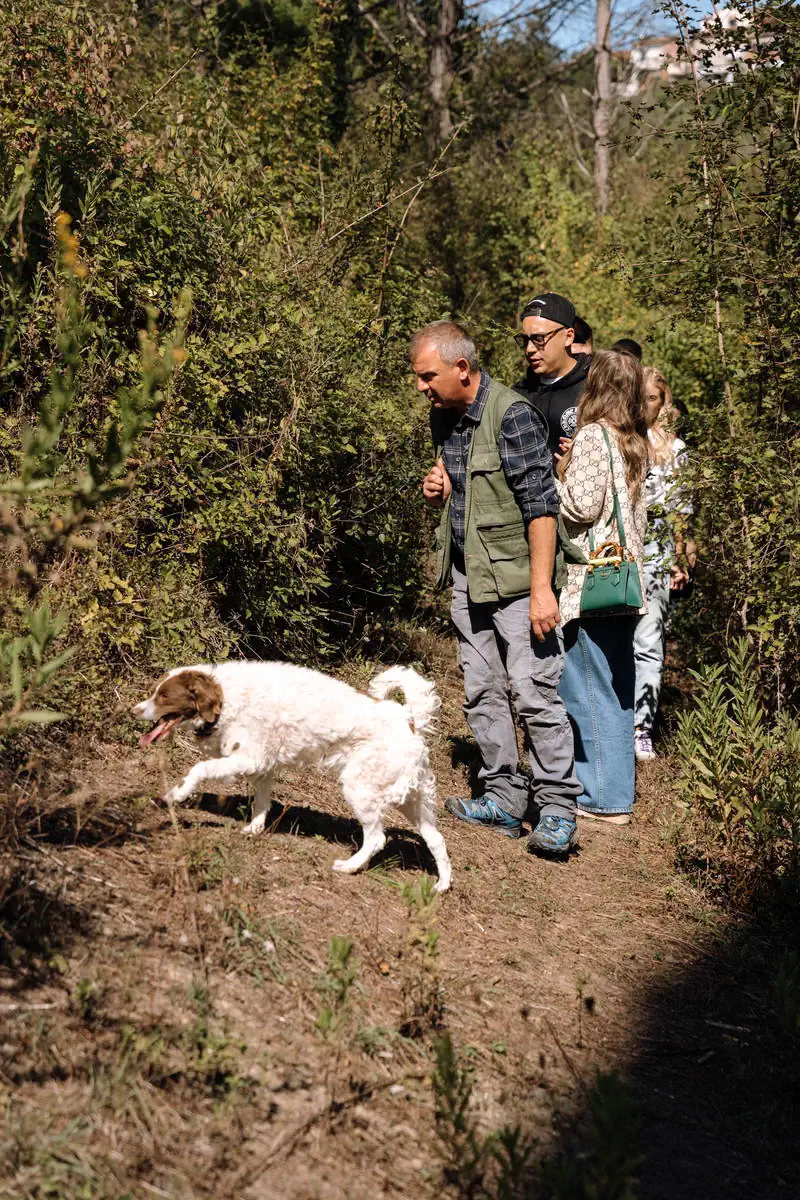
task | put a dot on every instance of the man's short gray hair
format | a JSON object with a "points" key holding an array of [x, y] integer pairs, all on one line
{"points": [[451, 341]]}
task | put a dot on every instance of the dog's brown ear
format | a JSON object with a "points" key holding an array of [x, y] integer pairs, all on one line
{"points": [[207, 695]]}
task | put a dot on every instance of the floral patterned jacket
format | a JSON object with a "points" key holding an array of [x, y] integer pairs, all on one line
{"points": [[587, 501]]}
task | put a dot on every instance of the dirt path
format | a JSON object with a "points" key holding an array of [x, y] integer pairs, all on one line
{"points": [[176, 1021]]}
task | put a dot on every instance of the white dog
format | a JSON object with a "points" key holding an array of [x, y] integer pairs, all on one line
{"points": [[252, 717]]}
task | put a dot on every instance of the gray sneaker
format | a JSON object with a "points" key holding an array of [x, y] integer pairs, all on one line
{"points": [[486, 812], [553, 836]]}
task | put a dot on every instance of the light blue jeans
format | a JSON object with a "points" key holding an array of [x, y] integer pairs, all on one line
{"points": [[598, 689], [650, 639]]}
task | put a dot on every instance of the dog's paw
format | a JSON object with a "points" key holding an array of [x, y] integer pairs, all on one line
{"points": [[343, 865], [441, 886], [174, 796], [255, 827]]}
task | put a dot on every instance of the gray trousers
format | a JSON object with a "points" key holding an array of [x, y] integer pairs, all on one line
{"points": [[501, 661]]}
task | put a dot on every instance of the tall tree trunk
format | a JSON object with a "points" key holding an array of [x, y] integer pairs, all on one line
{"points": [[440, 69], [601, 115]]}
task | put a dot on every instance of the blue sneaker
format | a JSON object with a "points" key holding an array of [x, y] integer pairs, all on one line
{"points": [[553, 835], [487, 812]]}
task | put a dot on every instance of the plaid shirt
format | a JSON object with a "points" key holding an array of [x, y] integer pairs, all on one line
{"points": [[527, 462]]}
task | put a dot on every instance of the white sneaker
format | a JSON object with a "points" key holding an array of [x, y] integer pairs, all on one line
{"points": [[643, 745]]}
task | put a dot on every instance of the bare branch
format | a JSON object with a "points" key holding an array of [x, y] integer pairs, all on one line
{"points": [[371, 213], [580, 162], [374, 25], [158, 91], [413, 20], [433, 173], [602, 114], [519, 11]]}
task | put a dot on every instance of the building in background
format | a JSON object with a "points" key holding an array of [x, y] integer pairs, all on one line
{"points": [[658, 58]]}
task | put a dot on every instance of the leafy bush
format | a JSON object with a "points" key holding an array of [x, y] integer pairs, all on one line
{"points": [[726, 236], [475, 1164], [54, 502], [613, 1159], [277, 508]]}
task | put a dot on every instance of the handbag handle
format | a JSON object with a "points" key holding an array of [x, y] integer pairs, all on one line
{"points": [[616, 512]]}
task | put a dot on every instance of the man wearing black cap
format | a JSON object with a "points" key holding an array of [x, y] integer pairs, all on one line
{"points": [[555, 380]]}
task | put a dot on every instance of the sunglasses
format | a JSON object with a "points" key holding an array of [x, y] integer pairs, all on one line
{"points": [[539, 340]]}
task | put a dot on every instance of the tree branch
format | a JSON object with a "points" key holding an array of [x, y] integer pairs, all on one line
{"points": [[580, 162], [375, 26], [413, 20], [158, 91]]}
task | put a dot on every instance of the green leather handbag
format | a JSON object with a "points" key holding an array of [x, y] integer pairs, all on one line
{"points": [[612, 585]]}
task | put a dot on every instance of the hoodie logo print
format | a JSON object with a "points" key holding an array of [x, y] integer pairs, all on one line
{"points": [[569, 421]]}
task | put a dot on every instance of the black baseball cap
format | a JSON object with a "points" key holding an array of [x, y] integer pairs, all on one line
{"points": [[551, 307]]}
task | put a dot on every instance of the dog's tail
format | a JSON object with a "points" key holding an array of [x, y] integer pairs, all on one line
{"points": [[420, 694]]}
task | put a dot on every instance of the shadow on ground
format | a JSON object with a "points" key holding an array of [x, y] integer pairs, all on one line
{"points": [[714, 1075], [36, 921], [464, 753], [403, 849]]}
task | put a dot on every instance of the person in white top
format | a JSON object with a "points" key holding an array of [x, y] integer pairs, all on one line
{"points": [[665, 565]]}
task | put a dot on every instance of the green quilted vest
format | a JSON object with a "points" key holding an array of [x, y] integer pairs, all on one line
{"points": [[496, 546]]}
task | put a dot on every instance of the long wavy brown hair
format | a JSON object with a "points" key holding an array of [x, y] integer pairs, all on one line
{"points": [[662, 431], [615, 397]]}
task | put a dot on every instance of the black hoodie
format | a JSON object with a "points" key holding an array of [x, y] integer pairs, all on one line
{"points": [[557, 402]]}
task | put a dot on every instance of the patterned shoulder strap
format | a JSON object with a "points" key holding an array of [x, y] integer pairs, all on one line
{"points": [[617, 509]]}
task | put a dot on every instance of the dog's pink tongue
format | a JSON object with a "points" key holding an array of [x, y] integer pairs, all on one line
{"points": [[151, 735], [157, 731]]}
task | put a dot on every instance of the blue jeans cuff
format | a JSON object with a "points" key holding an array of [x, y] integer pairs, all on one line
{"points": [[594, 808]]}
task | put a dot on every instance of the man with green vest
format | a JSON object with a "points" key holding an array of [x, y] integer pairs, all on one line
{"points": [[493, 481]]}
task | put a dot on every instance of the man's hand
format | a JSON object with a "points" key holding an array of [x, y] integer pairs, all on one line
{"points": [[436, 485], [543, 610], [678, 578], [544, 613]]}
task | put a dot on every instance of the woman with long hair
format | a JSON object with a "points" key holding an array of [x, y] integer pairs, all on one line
{"points": [[667, 508], [608, 455]]}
